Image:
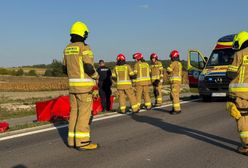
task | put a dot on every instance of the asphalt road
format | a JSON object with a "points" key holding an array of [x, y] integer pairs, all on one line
{"points": [[203, 136]]}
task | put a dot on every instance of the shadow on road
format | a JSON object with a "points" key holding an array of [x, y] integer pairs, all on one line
{"points": [[19, 166], [195, 134], [63, 132], [162, 110]]}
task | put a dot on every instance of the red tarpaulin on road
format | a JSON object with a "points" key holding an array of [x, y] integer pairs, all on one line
{"points": [[60, 108], [4, 126], [44, 110]]}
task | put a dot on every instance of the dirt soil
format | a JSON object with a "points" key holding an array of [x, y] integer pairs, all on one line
{"points": [[28, 95]]}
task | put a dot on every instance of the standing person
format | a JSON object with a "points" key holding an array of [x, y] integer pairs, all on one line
{"points": [[157, 74], [175, 74], [79, 65], [104, 85], [143, 81], [122, 74], [237, 72]]}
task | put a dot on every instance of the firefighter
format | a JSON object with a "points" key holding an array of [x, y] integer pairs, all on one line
{"points": [[237, 72], [78, 63], [157, 74], [143, 80], [175, 75], [123, 74], [104, 85]]}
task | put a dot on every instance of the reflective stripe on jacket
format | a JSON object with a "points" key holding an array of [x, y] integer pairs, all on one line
{"points": [[75, 56], [142, 70], [122, 74], [175, 72], [238, 87], [157, 71]]}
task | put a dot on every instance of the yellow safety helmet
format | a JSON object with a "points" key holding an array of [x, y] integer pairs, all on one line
{"points": [[79, 28], [239, 39]]}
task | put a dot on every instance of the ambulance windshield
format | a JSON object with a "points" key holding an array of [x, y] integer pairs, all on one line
{"points": [[221, 57]]}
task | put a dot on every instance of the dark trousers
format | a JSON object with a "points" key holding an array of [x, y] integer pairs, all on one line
{"points": [[105, 93]]}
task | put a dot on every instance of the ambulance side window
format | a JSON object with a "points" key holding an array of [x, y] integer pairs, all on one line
{"points": [[214, 59], [196, 60]]}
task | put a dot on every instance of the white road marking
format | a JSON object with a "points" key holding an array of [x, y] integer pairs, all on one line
{"points": [[115, 114]]}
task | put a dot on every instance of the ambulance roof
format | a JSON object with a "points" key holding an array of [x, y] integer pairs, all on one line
{"points": [[228, 38]]}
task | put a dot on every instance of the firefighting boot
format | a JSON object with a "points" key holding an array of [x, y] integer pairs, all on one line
{"points": [[243, 150], [121, 112], [148, 107], [88, 146], [173, 112], [136, 111], [71, 146], [156, 104]]}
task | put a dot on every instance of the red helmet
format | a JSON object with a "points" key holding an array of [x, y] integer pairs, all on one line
{"points": [[153, 55], [121, 57], [174, 54], [138, 56]]}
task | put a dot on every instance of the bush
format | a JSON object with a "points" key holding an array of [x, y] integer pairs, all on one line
{"points": [[48, 72], [32, 73], [55, 69], [4, 71], [19, 72]]}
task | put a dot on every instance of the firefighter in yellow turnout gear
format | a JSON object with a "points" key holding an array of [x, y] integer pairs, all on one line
{"points": [[157, 74], [78, 64], [175, 75], [238, 88], [143, 80], [122, 74]]}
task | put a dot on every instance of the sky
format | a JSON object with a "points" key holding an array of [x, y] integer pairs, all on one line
{"points": [[37, 31]]}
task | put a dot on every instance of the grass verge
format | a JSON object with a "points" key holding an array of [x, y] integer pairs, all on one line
{"points": [[18, 113], [36, 124]]}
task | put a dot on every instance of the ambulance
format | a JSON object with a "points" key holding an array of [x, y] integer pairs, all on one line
{"points": [[207, 76]]}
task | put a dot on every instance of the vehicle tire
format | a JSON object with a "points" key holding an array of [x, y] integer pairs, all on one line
{"points": [[206, 98]]}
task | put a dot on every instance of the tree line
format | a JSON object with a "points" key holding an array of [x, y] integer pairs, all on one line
{"points": [[55, 69], [17, 72]]}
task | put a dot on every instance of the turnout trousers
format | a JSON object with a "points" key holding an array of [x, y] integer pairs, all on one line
{"points": [[242, 123], [157, 91], [145, 91], [123, 93], [79, 128], [174, 95]]}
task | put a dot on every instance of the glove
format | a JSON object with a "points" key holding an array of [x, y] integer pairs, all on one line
{"points": [[232, 109], [156, 83], [95, 93], [133, 77]]}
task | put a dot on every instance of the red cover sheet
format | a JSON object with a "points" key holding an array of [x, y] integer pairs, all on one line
{"points": [[60, 107], [4, 126]]}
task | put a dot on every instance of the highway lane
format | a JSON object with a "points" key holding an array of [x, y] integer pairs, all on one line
{"points": [[204, 135]]}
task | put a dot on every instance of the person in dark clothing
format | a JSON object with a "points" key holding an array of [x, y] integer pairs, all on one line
{"points": [[104, 84]]}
